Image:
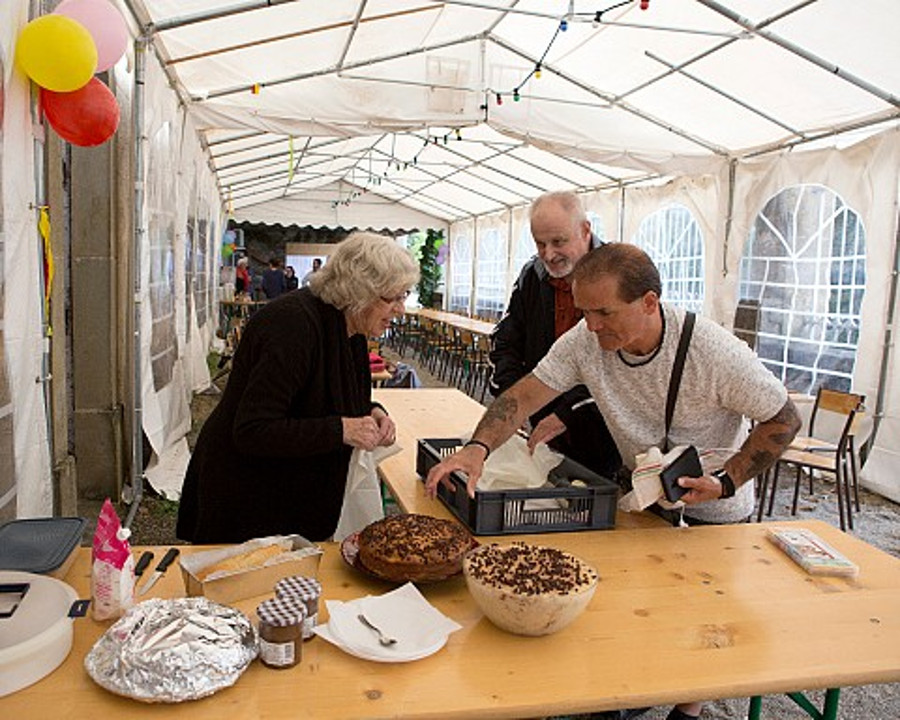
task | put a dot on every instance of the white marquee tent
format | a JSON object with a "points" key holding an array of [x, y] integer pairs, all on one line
{"points": [[457, 114]]}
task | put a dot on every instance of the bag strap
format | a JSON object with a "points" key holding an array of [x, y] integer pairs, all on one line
{"points": [[675, 381]]}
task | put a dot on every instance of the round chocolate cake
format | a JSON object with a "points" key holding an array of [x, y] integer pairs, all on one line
{"points": [[413, 547]]}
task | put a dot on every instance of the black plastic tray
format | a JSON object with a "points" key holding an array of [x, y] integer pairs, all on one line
{"points": [[39, 545], [502, 512]]}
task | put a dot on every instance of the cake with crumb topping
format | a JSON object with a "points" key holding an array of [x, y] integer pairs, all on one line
{"points": [[529, 589], [413, 547]]}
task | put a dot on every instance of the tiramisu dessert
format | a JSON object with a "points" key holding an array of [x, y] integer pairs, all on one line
{"points": [[529, 589], [413, 547]]}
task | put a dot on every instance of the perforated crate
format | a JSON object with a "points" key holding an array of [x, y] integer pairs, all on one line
{"points": [[562, 507]]}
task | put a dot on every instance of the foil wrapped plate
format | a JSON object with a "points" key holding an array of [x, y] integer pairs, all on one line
{"points": [[173, 650]]}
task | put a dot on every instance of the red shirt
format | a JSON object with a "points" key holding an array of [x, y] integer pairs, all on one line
{"points": [[566, 315]]}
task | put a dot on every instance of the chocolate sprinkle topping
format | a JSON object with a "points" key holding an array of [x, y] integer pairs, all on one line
{"points": [[529, 569]]}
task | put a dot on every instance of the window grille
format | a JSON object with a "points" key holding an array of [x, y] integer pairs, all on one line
{"points": [[460, 273], [805, 264], [672, 238], [490, 289]]}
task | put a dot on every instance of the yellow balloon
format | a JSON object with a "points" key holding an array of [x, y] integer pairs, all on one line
{"points": [[57, 52]]}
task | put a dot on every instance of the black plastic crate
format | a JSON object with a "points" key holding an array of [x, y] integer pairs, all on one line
{"points": [[502, 512]]}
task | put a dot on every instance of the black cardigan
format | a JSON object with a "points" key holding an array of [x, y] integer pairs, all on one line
{"points": [[270, 458]]}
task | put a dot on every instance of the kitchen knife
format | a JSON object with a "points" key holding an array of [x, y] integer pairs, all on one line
{"points": [[160, 569], [142, 564]]}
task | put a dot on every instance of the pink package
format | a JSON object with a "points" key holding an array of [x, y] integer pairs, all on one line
{"points": [[112, 567]]}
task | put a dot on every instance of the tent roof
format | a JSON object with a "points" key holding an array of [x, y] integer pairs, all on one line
{"points": [[366, 96]]}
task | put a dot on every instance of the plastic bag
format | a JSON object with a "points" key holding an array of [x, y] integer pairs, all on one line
{"points": [[362, 494], [511, 466], [112, 567]]}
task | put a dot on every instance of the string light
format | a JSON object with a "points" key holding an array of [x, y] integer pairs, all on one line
{"points": [[395, 164], [254, 89], [563, 26]]}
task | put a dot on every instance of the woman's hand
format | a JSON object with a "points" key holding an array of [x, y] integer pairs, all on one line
{"points": [[387, 429], [361, 432]]}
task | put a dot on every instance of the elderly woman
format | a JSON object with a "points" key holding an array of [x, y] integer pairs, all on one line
{"points": [[273, 456]]}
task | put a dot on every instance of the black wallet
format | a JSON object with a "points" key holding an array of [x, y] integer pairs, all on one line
{"points": [[686, 464]]}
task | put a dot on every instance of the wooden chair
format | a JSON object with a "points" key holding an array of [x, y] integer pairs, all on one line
{"points": [[814, 453]]}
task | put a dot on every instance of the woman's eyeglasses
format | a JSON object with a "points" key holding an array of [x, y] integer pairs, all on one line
{"points": [[396, 300]]}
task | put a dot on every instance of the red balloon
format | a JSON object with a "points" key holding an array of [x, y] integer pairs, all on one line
{"points": [[87, 117]]}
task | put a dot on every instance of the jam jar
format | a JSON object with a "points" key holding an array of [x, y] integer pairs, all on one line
{"points": [[281, 631], [307, 590]]}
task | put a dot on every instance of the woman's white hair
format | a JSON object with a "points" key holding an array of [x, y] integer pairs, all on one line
{"points": [[364, 267]]}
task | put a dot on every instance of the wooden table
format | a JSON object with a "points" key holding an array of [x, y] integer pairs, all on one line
{"points": [[479, 327], [680, 615]]}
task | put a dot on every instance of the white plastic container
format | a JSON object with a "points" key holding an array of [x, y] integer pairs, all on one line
{"points": [[38, 636]]}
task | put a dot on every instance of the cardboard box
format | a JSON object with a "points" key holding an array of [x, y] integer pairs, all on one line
{"points": [[241, 584]]}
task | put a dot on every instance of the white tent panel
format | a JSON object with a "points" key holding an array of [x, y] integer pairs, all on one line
{"points": [[318, 208]]}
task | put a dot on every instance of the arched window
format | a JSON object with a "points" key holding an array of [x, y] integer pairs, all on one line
{"points": [[490, 289], [672, 238], [805, 266], [460, 273]]}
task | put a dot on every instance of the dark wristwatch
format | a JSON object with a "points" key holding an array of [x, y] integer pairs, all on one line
{"points": [[726, 482]]}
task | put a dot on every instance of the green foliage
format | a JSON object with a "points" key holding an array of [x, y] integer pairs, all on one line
{"points": [[429, 269]]}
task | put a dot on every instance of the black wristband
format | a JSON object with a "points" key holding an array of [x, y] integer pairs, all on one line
{"points": [[726, 482], [487, 449]]}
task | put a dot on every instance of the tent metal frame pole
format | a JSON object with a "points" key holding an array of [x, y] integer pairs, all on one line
{"points": [[332, 70], [445, 178], [580, 17], [886, 347], [296, 34], [711, 147], [800, 52], [480, 163], [137, 431], [476, 91], [887, 117], [729, 214], [714, 49], [573, 161], [728, 96], [153, 28], [352, 34]]}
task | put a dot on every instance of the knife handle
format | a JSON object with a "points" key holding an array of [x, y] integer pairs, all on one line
{"points": [[170, 555], [142, 564]]}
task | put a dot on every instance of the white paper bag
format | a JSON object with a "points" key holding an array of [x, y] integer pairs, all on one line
{"points": [[362, 494]]}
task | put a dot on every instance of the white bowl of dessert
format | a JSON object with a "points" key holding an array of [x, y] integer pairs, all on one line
{"points": [[529, 589]]}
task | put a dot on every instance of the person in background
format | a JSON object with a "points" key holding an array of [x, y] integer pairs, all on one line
{"points": [[273, 457], [273, 280], [242, 277], [623, 350], [541, 309], [291, 281], [316, 265]]}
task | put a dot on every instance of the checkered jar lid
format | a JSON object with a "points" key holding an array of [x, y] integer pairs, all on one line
{"points": [[303, 588], [281, 611]]}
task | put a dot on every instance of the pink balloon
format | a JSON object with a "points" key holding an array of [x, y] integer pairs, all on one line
{"points": [[105, 24]]}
